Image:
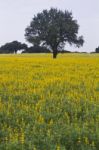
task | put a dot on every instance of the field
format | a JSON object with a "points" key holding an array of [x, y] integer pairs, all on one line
{"points": [[48, 104]]}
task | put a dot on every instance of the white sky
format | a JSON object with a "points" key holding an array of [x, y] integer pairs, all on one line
{"points": [[15, 15]]}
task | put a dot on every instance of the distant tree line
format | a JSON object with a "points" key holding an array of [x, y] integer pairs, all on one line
{"points": [[12, 47], [36, 49], [15, 46]]}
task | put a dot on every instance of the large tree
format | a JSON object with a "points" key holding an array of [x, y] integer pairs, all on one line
{"points": [[53, 28]]}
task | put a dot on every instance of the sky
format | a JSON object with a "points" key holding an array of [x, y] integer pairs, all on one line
{"points": [[15, 16]]}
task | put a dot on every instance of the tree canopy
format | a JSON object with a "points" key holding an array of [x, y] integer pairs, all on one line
{"points": [[12, 47], [97, 50], [54, 28]]}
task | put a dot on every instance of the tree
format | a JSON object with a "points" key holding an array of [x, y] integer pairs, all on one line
{"points": [[53, 28], [12, 47], [97, 50], [36, 49]]}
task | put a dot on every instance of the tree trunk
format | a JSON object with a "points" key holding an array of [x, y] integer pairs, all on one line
{"points": [[54, 54]]}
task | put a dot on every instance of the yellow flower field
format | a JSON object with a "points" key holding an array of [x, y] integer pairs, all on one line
{"points": [[48, 104]]}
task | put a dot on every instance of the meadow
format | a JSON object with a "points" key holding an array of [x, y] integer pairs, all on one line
{"points": [[48, 104]]}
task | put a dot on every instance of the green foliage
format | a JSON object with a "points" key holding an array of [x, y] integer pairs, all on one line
{"points": [[53, 28], [12, 47], [97, 50], [36, 49]]}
